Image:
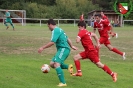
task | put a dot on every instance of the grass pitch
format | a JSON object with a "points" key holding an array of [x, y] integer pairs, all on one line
{"points": [[20, 63]]}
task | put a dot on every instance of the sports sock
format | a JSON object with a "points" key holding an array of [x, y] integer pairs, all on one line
{"points": [[60, 75], [77, 64], [117, 51], [64, 66], [107, 70], [6, 24], [12, 25]]}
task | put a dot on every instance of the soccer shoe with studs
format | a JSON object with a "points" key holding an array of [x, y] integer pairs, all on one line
{"points": [[70, 69], [115, 35], [7, 27], [77, 74], [61, 84], [114, 77]]}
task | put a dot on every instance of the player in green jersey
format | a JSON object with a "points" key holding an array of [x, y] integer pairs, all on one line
{"points": [[8, 20], [63, 44]]}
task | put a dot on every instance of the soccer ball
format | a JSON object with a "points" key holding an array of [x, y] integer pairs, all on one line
{"points": [[45, 68]]}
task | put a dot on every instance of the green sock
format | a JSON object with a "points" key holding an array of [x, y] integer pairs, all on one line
{"points": [[60, 74], [5, 24], [12, 25], [64, 66]]}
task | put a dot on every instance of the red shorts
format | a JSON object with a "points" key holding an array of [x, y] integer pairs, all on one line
{"points": [[92, 55], [104, 40]]}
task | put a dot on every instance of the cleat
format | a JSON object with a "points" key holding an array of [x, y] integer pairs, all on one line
{"points": [[123, 56], [7, 27], [77, 74], [14, 29], [114, 77], [116, 35], [70, 69], [61, 84]]}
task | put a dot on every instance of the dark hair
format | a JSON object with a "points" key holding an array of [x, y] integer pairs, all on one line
{"points": [[99, 15], [82, 24], [51, 21]]}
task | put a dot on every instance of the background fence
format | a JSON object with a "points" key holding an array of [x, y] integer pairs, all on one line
{"points": [[73, 22]]}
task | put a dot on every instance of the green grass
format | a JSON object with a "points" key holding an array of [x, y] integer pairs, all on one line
{"points": [[20, 63]]}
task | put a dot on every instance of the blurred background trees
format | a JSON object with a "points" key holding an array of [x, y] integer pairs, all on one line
{"points": [[63, 9]]}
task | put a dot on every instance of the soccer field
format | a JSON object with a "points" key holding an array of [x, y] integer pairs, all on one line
{"points": [[20, 62]]}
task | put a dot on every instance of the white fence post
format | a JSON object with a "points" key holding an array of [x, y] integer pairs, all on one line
{"points": [[40, 23]]}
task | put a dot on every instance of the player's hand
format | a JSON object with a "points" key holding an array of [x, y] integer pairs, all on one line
{"points": [[74, 48], [40, 50]]}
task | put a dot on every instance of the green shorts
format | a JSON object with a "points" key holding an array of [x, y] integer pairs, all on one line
{"points": [[8, 20], [61, 55]]}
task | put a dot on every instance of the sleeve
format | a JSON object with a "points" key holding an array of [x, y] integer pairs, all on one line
{"points": [[104, 17], [95, 25], [106, 22], [80, 34], [55, 35]]}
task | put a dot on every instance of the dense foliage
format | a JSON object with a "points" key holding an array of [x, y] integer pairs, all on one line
{"points": [[57, 8]]}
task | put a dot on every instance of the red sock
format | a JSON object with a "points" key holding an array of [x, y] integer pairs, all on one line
{"points": [[117, 51], [77, 64], [107, 70]]}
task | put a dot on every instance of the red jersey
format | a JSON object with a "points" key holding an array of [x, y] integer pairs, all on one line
{"points": [[86, 40], [105, 17], [102, 27]]}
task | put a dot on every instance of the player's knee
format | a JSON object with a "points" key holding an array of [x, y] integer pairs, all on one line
{"points": [[100, 65], [109, 47], [56, 64], [51, 65], [75, 57]]}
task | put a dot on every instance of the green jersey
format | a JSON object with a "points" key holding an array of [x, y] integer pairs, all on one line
{"points": [[8, 16], [59, 38]]}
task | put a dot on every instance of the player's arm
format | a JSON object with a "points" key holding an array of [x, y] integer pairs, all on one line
{"points": [[71, 45], [111, 28], [78, 39], [96, 39], [45, 46], [7, 16], [94, 30]]}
